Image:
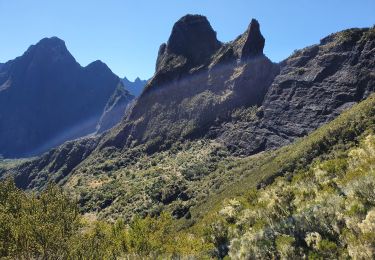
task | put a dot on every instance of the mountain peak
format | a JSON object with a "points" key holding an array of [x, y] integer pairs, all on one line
{"points": [[52, 43], [50, 98], [98, 65], [51, 49], [193, 37], [254, 43]]}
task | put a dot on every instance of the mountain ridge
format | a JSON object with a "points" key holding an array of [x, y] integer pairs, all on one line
{"points": [[134, 87], [235, 104], [45, 94]]}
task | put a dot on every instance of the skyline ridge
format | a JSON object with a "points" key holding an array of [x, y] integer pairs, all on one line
{"points": [[126, 35]]}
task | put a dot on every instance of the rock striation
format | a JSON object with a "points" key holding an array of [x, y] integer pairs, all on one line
{"points": [[314, 86]]}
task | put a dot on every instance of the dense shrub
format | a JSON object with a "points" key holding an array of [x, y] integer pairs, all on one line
{"points": [[324, 212], [48, 226], [36, 226]]}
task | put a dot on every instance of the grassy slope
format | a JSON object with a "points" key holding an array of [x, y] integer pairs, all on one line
{"points": [[340, 134]]}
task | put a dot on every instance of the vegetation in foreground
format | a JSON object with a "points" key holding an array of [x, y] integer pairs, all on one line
{"points": [[48, 226], [324, 212], [321, 206]]}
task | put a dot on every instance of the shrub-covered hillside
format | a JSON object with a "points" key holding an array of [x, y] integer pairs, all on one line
{"points": [[315, 199], [325, 211]]}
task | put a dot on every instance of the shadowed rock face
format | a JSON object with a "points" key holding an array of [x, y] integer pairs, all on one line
{"points": [[198, 83], [114, 110], [314, 86], [193, 38], [254, 42], [46, 98], [191, 44], [292, 98]]}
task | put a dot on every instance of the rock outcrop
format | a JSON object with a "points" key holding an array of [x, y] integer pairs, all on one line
{"points": [[193, 38], [197, 84], [254, 43], [191, 44], [46, 98]]}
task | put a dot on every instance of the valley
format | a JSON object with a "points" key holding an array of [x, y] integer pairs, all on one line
{"points": [[222, 154]]}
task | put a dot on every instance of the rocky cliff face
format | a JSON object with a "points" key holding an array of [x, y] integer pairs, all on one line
{"points": [[192, 91], [315, 85], [46, 98]]}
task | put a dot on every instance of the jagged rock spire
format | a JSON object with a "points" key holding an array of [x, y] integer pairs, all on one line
{"points": [[254, 43]]}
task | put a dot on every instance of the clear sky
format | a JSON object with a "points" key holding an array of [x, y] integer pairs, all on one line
{"points": [[126, 34]]}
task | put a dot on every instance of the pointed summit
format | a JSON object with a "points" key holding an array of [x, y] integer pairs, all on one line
{"points": [[98, 65], [192, 37], [49, 51], [254, 43]]}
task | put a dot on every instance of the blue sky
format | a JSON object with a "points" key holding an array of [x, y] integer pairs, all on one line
{"points": [[126, 34]]}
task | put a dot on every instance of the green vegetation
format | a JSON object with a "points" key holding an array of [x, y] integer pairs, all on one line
{"points": [[135, 183], [326, 211], [33, 226], [314, 198], [49, 226]]}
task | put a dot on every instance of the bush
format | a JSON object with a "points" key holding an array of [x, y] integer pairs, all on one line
{"points": [[36, 226]]}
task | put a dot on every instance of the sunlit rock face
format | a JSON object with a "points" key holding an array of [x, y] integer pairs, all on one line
{"points": [[46, 98]]}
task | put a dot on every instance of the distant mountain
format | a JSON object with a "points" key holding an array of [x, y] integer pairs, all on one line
{"points": [[46, 98], [1, 65], [135, 88]]}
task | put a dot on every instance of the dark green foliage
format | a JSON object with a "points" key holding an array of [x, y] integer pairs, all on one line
{"points": [[36, 226], [48, 226]]}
